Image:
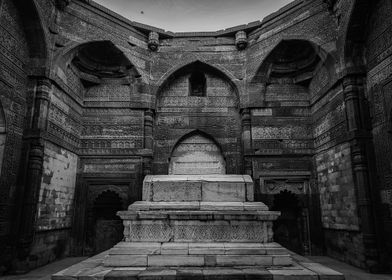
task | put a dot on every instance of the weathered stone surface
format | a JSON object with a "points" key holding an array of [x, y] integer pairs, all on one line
{"points": [[175, 249], [223, 191], [126, 260], [222, 188], [240, 260], [197, 155], [115, 120], [92, 268], [136, 248], [175, 260], [179, 191]]}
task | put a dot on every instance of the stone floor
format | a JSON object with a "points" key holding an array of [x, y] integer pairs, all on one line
{"points": [[350, 272], [45, 272]]}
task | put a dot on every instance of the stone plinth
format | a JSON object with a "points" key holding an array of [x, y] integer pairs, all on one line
{"points": [[197, 227], [202, 218]]}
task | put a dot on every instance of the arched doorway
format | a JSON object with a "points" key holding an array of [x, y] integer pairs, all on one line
{"points": [[108, 226], [197, 154]]}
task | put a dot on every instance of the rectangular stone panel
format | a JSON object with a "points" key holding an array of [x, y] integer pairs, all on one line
{"points": [[177, 191], [223, 191]]}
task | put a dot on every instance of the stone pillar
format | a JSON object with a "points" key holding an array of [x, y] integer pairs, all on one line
{"points": [[247, 140], [148, 129], [41, 104], [148, 140], [34, 165], [360, 138]]}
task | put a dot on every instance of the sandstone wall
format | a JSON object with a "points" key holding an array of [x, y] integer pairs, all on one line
{"points": [[379, 85], [216, 114], [290, 136], [13, 99]]}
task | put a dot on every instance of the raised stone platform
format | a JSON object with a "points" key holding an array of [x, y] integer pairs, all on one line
{"points": [[196, 227], [300, 269]]}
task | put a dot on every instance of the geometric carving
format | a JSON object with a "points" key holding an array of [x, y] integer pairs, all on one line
{"points": [[196, 231], [275, 186]]}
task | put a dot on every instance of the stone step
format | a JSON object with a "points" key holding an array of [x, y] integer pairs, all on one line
{"points": [[137, 254], [171, 260], [181, 248], [93, 269]]}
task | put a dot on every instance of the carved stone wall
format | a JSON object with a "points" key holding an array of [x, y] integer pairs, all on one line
{"points": [[276, 110], [337, 192], [216, 114], [13, 98], [197, 155], [55, 205], [379, 84]]}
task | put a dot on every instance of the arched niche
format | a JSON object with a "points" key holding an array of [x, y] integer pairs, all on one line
{"points": [[197, 154], [2, 136], [36, 36], [294, 70], [87, 66]]}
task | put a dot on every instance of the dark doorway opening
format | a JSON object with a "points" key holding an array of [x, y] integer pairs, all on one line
{"points": [[292, 228], [108, 226]]}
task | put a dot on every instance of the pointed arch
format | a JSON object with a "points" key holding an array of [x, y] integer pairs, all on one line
{"points": [[193, 133], [354, 36], [36, 35], [186, 64], [197, 152]]}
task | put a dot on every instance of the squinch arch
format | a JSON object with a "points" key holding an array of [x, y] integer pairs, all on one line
{"points": [[101, 54], [313, 49], [197, 153]]}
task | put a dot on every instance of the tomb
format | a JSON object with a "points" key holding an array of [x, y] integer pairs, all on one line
{"points": [[198, 227]]}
